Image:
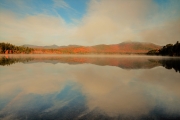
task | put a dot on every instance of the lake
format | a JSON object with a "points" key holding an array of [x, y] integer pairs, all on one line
{"points": [[53, 87]]}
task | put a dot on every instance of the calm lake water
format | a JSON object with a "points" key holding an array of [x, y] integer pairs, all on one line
{"points": [[55, 87]]}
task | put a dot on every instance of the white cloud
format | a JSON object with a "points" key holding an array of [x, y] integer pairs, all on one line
{"points": [[61, 4], [32, 29], [163, 34], [113, 21], [106, 22]]}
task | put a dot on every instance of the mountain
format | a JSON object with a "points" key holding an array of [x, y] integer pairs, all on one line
{"points": [[127, 47], [42, 47], [122, 48]]}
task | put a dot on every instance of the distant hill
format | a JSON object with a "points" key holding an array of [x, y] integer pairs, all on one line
{"points": [[49, 47], [42, 47], [122, 48], [127, 47]]}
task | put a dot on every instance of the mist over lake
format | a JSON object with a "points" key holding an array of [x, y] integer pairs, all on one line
{"points": [[89, 87], [89, 60]]}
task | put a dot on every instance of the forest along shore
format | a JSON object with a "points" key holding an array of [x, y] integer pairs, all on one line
{"points": [[168, 50], [122, 48]]}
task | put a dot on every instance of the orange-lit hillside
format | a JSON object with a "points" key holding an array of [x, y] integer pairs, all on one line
{"points": [[122, 48]]}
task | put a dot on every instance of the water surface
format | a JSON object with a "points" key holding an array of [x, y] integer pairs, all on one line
{"points": [[89, 87]]}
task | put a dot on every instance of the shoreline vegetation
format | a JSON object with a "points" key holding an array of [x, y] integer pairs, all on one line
{"points": [[128, 48], [168, 50], [7, 48]]}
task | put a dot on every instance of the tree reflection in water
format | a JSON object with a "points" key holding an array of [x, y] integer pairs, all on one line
{"points": [[122, 62]]}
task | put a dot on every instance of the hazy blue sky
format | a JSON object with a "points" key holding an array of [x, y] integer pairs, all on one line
{"points": [[89, 22]]}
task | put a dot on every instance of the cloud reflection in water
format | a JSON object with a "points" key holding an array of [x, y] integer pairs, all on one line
{"points": [[84, 90]]}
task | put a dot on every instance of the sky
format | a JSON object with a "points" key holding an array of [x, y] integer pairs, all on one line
{"points": [[89, 22]]}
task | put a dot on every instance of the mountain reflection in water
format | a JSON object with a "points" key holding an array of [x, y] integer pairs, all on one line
{"points": [[124, 62], [89, 87]]}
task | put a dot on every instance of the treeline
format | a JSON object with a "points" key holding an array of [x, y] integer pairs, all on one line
{"points": [[168, 50], [7, 48]]}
